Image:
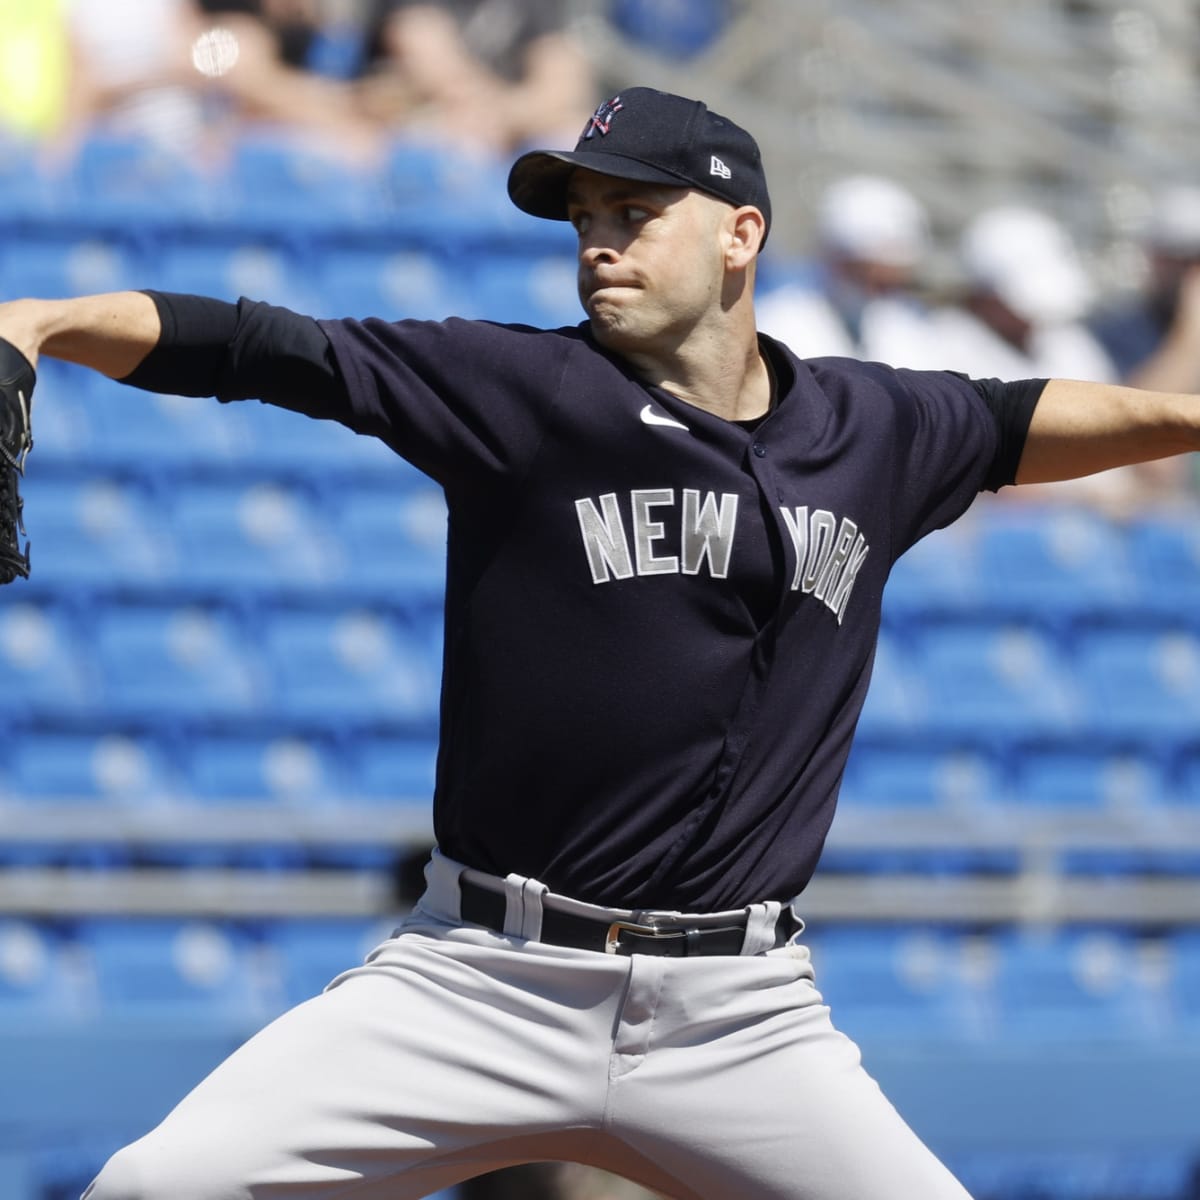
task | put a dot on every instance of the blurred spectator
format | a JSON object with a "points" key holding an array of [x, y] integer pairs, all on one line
{"points": [[862, 300], [33, 67], [497, 74], [1026, 298], [185, 73], [1154, 338], [290, 63], [1023, 316], [324, 37], [131, 70]]}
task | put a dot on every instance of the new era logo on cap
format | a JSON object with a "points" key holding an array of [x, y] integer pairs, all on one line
{"points": [[653, 137]]}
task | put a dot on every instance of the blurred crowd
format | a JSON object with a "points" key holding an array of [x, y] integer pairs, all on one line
{"points": [[1018, 302], [498, 73]]}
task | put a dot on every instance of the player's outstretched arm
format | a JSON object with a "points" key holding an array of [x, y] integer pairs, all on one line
{"points": [[1081, 428], [111, 332]]}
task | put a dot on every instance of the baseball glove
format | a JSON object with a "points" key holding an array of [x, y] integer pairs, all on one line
{"points": [[17, 378]]}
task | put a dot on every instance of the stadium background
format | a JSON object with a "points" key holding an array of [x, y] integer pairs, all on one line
{"points": [[219, 686]]}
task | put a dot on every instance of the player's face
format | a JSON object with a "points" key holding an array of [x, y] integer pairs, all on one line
{"points": [[650, 258]]}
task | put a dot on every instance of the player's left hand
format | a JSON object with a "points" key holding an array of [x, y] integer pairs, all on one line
{"points": [[17, 379]]}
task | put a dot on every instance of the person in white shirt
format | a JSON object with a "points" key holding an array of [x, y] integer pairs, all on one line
{"points": [[1025, 300], [1023, 315], [862, 299]]}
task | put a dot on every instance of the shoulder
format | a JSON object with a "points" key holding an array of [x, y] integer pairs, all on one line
{"points": [[455, 341]]}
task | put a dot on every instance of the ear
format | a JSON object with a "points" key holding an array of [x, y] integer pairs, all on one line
{"points": [[747, 229]]}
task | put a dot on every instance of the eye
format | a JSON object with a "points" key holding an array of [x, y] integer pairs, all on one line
{"points": [[581, 222], [634, 213]]}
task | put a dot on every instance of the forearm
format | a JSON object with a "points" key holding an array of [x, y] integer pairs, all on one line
{"points": [[111, 333], [1081, 428]]}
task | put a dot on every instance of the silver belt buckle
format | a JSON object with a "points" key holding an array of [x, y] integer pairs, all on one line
{"points": [[612, 939]]}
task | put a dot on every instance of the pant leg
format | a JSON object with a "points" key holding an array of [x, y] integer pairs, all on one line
{"points": [[730, 1075], [442, 1058]]}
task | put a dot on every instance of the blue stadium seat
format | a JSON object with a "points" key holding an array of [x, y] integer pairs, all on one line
{"points": [[1183, 775], [166, 662], [147, 432], [393, 537], [939, 573], [66, 415], [255, 533], [27, 189], [1184, 985], [1140, 683], [895, 699], [886, 984], [245, 767], [434, 189], [1164, 554], [1095, 1173], [277, 183], [131, 183], [393, 771], [37, 982], [309, 954], [79, 766], [97, 531], [1084, 775], [993, 680], [345, 665], [518, 290], [177, 970], [45, 663], [56, 263], [390, 283], [275, 438], [1048, 563], [916, 774], [680, 29], [231, 266], [1068, 986]]}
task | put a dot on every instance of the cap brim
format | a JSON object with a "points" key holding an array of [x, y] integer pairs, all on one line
{"points": [[537, 183]]}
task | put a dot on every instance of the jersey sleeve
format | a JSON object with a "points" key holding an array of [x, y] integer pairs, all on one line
{"points": [[463, 401], [948, 447], [931, 438]]}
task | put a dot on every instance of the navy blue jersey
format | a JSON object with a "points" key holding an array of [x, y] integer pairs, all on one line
{"points": [[660, 625]]}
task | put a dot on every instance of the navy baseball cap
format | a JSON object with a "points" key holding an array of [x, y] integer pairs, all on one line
{"points": [[653, 137]]}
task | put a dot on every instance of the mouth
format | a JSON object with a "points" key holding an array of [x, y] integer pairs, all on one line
{"points": [[606, 289]]}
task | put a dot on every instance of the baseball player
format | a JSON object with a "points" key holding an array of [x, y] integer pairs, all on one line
{"points": [[668, 542]]}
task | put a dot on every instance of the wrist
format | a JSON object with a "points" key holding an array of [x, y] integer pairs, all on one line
{"points": [[26, 324]]}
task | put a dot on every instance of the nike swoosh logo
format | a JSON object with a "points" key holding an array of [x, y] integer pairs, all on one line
{"points": [[650, 417]]}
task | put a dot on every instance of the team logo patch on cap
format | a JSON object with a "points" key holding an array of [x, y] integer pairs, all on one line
{"points": [[601, 119]]}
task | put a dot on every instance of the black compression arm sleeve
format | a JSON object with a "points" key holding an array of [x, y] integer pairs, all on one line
{"points": [[238, 352], [1012, 406]]}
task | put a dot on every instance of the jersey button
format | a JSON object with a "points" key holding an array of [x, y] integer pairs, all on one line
{"points": [[760, 451]]}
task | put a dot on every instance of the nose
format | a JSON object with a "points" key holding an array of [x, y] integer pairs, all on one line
{"points": [[595, 249]]}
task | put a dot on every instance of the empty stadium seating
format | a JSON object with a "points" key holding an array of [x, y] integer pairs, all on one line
{"points": [[234, 612]]}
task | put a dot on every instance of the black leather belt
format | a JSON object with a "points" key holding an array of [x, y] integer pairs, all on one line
{"points": [[674, 939]]}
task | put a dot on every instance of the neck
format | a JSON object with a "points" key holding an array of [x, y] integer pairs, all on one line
{"points": [[723, 374]]}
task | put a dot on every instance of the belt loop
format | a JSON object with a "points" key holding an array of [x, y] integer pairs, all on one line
{"points": [[531, 919], [761, 921], [514, 905], [441, 886]]}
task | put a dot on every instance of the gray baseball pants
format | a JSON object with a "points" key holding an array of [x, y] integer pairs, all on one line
{"points": [[455, 1050]]}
